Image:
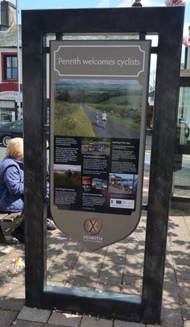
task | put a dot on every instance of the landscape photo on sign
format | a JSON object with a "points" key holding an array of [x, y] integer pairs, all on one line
{"points": [[98, 108], [122, 183], [67, 176]]}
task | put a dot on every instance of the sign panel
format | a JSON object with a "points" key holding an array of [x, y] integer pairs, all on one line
{"points": [[98, 101]]}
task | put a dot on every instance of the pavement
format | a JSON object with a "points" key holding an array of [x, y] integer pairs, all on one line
{"points": [[116, 268]]}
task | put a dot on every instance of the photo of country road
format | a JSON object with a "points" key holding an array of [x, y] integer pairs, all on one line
{"points": [[112, 127], [98, 108]]}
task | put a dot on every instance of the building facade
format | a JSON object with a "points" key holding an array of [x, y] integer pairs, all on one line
{"points": [[9, 88]]}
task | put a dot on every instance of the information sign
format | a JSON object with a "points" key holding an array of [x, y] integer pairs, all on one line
{"points": [[98, 104]]}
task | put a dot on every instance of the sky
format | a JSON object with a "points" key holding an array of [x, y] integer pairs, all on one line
{"points": [[61, 4]]}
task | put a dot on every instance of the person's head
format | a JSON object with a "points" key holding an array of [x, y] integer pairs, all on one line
{"points": [[15, 148]]}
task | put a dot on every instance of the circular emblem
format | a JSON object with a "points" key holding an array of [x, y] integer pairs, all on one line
{"points": [[93, 226]]}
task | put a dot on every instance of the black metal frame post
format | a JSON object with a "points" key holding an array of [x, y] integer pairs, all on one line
{"points": [[168, 24]]}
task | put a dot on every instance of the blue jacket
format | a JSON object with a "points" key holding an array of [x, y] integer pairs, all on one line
{"points": [[11, 185]]}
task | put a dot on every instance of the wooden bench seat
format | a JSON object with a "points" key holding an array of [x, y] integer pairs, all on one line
{"points": [[8, 222]]}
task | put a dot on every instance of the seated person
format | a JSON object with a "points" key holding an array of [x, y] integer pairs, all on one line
{"points": [[12, 178], [12, 184]]}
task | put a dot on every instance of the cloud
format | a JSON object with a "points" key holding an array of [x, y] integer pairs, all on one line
{"points": [[186, 29], [103, 4], [150, 3], [145, 3], [125, 3]]}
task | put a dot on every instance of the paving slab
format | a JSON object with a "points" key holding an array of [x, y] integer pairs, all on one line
{"points": [[7, 303], [64, 319], [17, 289], [185, 310], [34, 314], [5, 249], [185, 292], [119, 323], [7, 317], [24, 323], [95, 322], [172, 318]]}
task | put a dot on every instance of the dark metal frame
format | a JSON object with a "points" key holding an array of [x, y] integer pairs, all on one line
{"points": [[168, 24]]}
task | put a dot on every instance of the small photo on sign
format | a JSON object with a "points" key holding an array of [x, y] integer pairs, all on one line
{"points": [[99, 184], [95, 147], [122, 183], [94, 184], [67, 176]]}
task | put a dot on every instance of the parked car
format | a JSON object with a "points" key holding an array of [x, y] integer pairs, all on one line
{"points": [[10, 130]]}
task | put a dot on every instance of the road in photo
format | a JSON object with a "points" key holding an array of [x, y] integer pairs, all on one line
{"points": [[111, 128]]}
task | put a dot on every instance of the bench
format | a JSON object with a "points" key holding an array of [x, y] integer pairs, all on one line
{"points": [[8, 222]]}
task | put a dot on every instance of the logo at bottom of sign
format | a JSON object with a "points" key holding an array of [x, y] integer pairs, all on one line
{"points": [[92, 227]]}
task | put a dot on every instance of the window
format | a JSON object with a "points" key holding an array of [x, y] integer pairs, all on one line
{"points": [[181, 178], [6, 115], [184, 116], [10, 67]]}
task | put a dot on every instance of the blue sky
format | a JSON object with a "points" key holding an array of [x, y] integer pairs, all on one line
{"points": [[53, 4]]}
